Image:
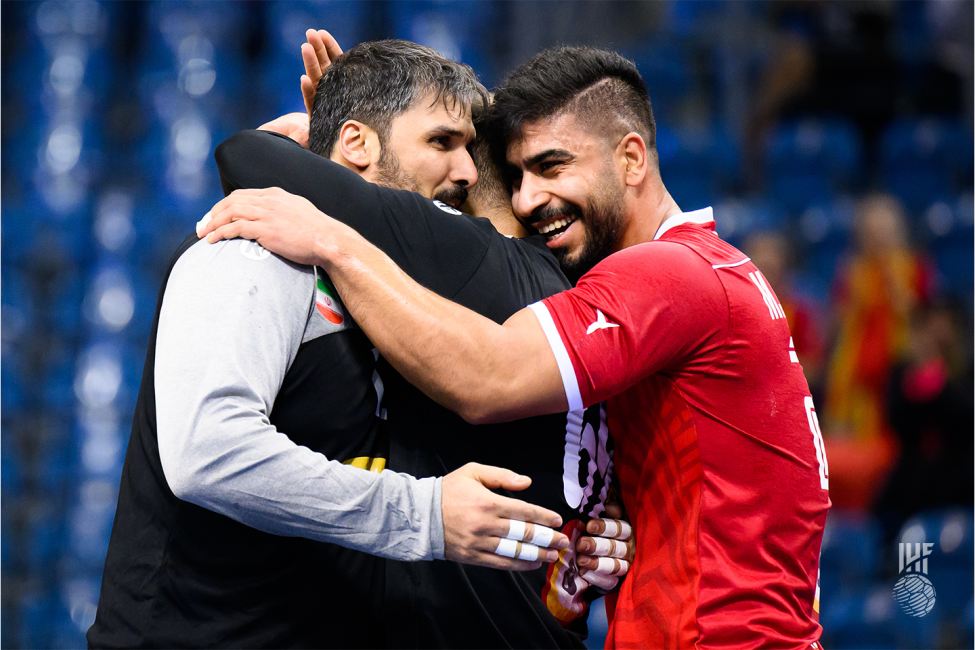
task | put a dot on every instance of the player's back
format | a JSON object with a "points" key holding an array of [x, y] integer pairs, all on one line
{"points": [[445, 604], [726, 477]]}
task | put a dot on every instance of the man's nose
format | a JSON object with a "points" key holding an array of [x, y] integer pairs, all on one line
{"points": [[528, 195], [462, 171]]}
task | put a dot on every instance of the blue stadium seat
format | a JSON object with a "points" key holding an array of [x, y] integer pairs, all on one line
{"points": [[6, 554], [455, 29], [666, 69], [698, 166], [11, 467], [45, 540], [35, 611], [860, 619], [950, 566], [736, 219], [287, 24], [807, 161], [926, 160], [824, 231], [849, 559], [949, 231]]}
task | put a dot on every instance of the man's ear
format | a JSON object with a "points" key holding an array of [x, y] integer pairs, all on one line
{"points": [[633, 159], [358, 145]]}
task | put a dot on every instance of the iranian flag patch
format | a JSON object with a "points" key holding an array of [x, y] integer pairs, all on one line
{"points": [[327, 301]]}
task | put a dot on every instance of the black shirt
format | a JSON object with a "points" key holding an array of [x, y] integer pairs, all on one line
{"points": [[466, 260]]}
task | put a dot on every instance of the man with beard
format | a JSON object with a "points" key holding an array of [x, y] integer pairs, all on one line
{"points": [[480, 264], [718, 447], [228, 491]]}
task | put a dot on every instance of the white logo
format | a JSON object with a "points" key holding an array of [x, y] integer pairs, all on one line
{"points": [[600, 323], [913, 591], [446, 208], [253, 251]]}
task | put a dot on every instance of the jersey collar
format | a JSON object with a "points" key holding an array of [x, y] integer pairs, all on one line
{"points": [[703, 216]]}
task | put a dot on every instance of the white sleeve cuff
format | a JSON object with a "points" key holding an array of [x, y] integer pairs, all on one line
{"points": [[569, 381]]}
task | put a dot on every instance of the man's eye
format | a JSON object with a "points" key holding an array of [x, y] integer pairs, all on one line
{"points": [[549, 165], [441, 141]]}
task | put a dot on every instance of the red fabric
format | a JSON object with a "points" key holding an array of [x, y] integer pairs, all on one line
{"points": [[714, 444]]}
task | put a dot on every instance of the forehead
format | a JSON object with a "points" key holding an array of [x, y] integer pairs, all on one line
{"points": [[564, 132], [430, 112]]}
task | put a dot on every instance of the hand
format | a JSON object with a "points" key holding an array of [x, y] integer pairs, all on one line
{"points": [[477, 522], [317, 54], [293, 125], [283, 223], [605, 559]]}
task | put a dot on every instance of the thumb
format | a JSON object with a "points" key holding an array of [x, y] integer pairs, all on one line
{"points": [[498, 477]]}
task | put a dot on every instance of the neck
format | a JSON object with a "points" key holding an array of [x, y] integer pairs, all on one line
{"points": [[650, 207], [506, 223]]}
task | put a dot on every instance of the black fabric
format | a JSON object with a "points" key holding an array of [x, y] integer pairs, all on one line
{"points": [[439, 604], [181, 576]]}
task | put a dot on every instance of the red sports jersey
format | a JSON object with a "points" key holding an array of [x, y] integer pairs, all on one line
{"points": [[718, 449]]}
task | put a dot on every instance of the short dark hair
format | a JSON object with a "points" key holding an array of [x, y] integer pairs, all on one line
{"points": [[603, 89], [377, 81]]}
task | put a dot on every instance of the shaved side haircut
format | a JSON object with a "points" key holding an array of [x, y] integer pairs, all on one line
{"points": [[602, 89]]}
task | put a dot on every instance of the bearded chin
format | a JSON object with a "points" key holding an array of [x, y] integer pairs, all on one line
{"points": [[604, 226]]}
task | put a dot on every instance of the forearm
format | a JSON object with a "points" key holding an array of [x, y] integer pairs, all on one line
{"points": [[271, 484], [466, 362]]}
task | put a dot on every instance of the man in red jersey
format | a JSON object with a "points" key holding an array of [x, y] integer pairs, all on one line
{"points": [[718, 447]]}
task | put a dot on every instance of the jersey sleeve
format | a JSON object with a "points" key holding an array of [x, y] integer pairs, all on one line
{"points": [[437, 246], [230, 324], [640, 311]]}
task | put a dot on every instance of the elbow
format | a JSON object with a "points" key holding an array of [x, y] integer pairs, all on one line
{"points": [[185, 481], [484, 407]]}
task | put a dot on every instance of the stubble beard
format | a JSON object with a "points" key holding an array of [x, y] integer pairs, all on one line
{"points": [[391, 174], [603, 218]]}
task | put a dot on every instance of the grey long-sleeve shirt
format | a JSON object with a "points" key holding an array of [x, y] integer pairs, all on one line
{"points": [[232, 321]]}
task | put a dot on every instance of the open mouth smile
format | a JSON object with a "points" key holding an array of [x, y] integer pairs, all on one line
{"points": [[554, 229]]}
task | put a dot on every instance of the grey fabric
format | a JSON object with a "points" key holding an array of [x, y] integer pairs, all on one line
{"points": [[231, 322]]}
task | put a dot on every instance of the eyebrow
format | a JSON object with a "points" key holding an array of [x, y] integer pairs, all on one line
{"points": [[448, 131], [560, 154]]}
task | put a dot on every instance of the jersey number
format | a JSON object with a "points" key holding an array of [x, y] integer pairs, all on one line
{"points": [[588, 461], [818, 443]]}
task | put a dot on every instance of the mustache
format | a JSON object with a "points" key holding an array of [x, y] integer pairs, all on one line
{"points": [[454, 196], [552, 210]]}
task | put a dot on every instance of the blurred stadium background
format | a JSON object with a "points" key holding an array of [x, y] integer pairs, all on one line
{"points": [[833, 139]]}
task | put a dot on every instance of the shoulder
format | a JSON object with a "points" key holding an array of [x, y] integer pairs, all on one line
{"points": [[238, 255], [230, 267], [651, 260]]}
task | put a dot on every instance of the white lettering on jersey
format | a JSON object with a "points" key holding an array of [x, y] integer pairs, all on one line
{"points": [[792, 352], [446, 208], [818, 443], [774, 308], [600, 323], [588, 461], [253, 251]]}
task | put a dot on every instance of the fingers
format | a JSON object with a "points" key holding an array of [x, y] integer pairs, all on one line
{"points": [[610, 566], [602, 547], [519, 510], [308, 92], [604, 582], [521, 531], [522, 551], [611, 528], [310, 58], [613, 511], [332, 46], [496, 477]]}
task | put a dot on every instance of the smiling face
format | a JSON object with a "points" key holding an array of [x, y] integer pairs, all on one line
{"points": [[426, 152], [566, 185]]}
